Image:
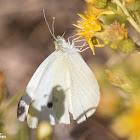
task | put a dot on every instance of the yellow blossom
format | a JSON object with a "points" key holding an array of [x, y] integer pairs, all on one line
{"points": [[128, 123], [116, 32], [89, 28]]}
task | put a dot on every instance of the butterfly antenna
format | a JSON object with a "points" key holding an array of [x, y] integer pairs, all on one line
{"points": [[53, 26], [63, 34], [52, 33]]}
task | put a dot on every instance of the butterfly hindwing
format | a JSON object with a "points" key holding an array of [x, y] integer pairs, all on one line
{"points": [[85, 94]]}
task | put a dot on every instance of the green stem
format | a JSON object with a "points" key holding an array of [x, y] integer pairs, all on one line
{"points": [[129, 17]]}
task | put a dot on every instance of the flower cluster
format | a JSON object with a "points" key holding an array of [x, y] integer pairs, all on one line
{"points": [[94, 26]]}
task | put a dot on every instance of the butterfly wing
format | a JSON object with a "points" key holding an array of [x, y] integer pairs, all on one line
{"points": [[62, 87], [85, 94], [34, 84], [77, 92]]}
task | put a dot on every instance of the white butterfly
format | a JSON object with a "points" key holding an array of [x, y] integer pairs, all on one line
{"points": [[62, 89]]}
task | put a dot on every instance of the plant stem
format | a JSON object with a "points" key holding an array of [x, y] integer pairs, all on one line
{"points": [[129, 17]]}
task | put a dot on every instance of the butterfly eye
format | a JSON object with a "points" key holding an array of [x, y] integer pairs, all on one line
{"points": [[59, 42]]}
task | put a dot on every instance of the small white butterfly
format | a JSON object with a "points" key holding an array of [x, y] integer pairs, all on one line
{"points": [[62, 89]]}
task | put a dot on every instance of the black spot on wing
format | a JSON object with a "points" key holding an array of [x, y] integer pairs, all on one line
{"points": [[50, 105]]}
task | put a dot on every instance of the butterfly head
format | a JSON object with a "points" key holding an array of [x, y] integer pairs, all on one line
{"points": [[61, 43]]}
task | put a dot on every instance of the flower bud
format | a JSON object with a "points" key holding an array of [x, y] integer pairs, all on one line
{"points": [[44, 131], [127, 45], [100, 4]]}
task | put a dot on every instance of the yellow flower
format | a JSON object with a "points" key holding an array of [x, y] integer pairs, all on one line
{"points": [[116, 32], [90, 28], [128, 123]]}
